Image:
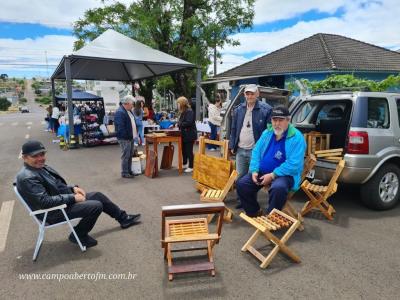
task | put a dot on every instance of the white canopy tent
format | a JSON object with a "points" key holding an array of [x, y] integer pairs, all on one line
{"points": [[113, 56]]}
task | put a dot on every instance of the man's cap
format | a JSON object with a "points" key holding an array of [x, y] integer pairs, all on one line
{"points": [[251, 88], [128, 98], [32, 148], [280, 112]]}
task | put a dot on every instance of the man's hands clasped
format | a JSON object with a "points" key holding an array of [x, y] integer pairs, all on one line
{"points": [[80, 194], [264, 180]]}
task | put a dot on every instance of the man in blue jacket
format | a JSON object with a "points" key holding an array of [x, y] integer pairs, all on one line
{"points": [[249, 120], [277, 161], [125, 128]]}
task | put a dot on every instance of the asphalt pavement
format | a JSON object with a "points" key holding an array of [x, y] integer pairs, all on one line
{"points": [[357, 256]]}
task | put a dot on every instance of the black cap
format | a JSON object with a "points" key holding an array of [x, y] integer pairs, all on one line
{"points": [[32, 148], [280, 112]]}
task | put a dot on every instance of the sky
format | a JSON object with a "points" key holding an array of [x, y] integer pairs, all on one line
{"points": [[35, 34]]}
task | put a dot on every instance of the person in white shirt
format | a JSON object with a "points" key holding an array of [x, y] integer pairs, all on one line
{"points": [[54, 119], [214, 120]]}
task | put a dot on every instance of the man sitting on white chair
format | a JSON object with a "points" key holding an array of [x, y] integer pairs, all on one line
{"points": [[42, 187]]}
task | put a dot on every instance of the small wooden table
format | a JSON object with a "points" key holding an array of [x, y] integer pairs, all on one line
{"points": [[164, 139]]}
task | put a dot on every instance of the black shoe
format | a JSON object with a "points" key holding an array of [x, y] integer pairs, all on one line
{"points": [[128, 176], [87, 240], [129, 221], [131, 173], [239, 206]]}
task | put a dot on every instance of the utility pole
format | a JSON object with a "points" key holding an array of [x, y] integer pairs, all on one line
{"points": [[47, 64]]}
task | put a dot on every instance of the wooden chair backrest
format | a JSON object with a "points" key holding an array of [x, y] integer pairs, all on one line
{"points": [[192, 209], [229, 184], [223, 144], [335, 176], [309, 163]]}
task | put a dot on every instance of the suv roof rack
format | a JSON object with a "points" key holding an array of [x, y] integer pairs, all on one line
{"points": [[344, 90]]}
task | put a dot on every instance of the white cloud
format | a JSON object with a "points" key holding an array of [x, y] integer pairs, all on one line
{"points": [[30, 54], [53, 13], [374, 22], [272, 10]]}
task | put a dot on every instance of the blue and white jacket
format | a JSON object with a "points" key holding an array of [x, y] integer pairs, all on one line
{"points": [[295, 147]]}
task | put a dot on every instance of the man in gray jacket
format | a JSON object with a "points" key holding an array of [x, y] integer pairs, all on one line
{"points": [[42, 187], [249, 120]]}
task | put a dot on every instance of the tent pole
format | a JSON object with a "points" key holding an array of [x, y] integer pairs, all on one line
{"points": [[198, 94], [67, 67], [53, 92]]}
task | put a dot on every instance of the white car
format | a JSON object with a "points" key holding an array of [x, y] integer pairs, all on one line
{"points": [[24, 109]]}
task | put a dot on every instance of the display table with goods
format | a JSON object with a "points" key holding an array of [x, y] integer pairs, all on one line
{"points": [[168, 136], [95, 134]]}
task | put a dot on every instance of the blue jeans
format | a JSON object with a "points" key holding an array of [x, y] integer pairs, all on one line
{"points": [[127, 148], [243, 157], [213, 135], [140, 132], [247, 191]]}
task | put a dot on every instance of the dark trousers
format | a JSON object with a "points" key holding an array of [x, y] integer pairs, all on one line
{"points": [[213, 135], [247, 191], [89, 211], [187, 153]]}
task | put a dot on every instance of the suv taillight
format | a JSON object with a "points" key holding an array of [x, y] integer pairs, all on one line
{"points": [[358, 142]]}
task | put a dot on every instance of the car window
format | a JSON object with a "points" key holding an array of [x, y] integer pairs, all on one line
{"points": [[398, 109], [303, 112], [331, 111], [378, 113]]}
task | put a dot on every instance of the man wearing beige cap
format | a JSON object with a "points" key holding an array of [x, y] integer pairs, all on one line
{"points": [[249, 120]]}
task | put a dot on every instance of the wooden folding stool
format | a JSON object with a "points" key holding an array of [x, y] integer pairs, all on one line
{"points": [[212, 195], [289, 209], [318, 194], [190, 230], [264, 225]]}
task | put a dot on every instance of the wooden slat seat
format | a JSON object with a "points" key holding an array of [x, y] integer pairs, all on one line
{"points": [[214, 195], [318, 194], [276, 220], [190, 230]]}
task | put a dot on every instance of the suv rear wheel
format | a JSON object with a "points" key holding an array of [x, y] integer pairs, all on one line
{"points": [[382, 191]]}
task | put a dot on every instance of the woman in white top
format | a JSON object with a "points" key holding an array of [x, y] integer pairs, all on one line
{"points": [[214, 120], [54, 118]]}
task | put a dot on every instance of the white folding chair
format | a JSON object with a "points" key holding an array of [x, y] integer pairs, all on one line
{"points": [[42, 223]]}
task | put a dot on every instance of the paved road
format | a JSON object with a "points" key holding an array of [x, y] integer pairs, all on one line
{"points": [[357, 256]]}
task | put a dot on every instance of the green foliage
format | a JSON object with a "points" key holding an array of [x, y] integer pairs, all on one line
{"points": [[4, 104], [22, 100], [44, 100], [348, 81], [187, 29]]}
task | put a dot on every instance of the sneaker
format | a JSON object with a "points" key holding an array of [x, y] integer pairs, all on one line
{"points": [[128, 176], [129, 221], [86, 240], [188, 170], [239, 206]]}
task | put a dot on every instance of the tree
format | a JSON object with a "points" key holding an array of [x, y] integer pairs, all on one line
{"points": [[350, 81], [4, 104], [4, 77], [188, 29]]}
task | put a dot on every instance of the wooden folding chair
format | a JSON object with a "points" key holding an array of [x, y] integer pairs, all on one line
{"points": [[289, 209], [190, 230], [318, 194], [264, 225], [212, 195]]}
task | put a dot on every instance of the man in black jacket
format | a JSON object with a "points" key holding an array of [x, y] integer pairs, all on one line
{"points": [[42, 187]]}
